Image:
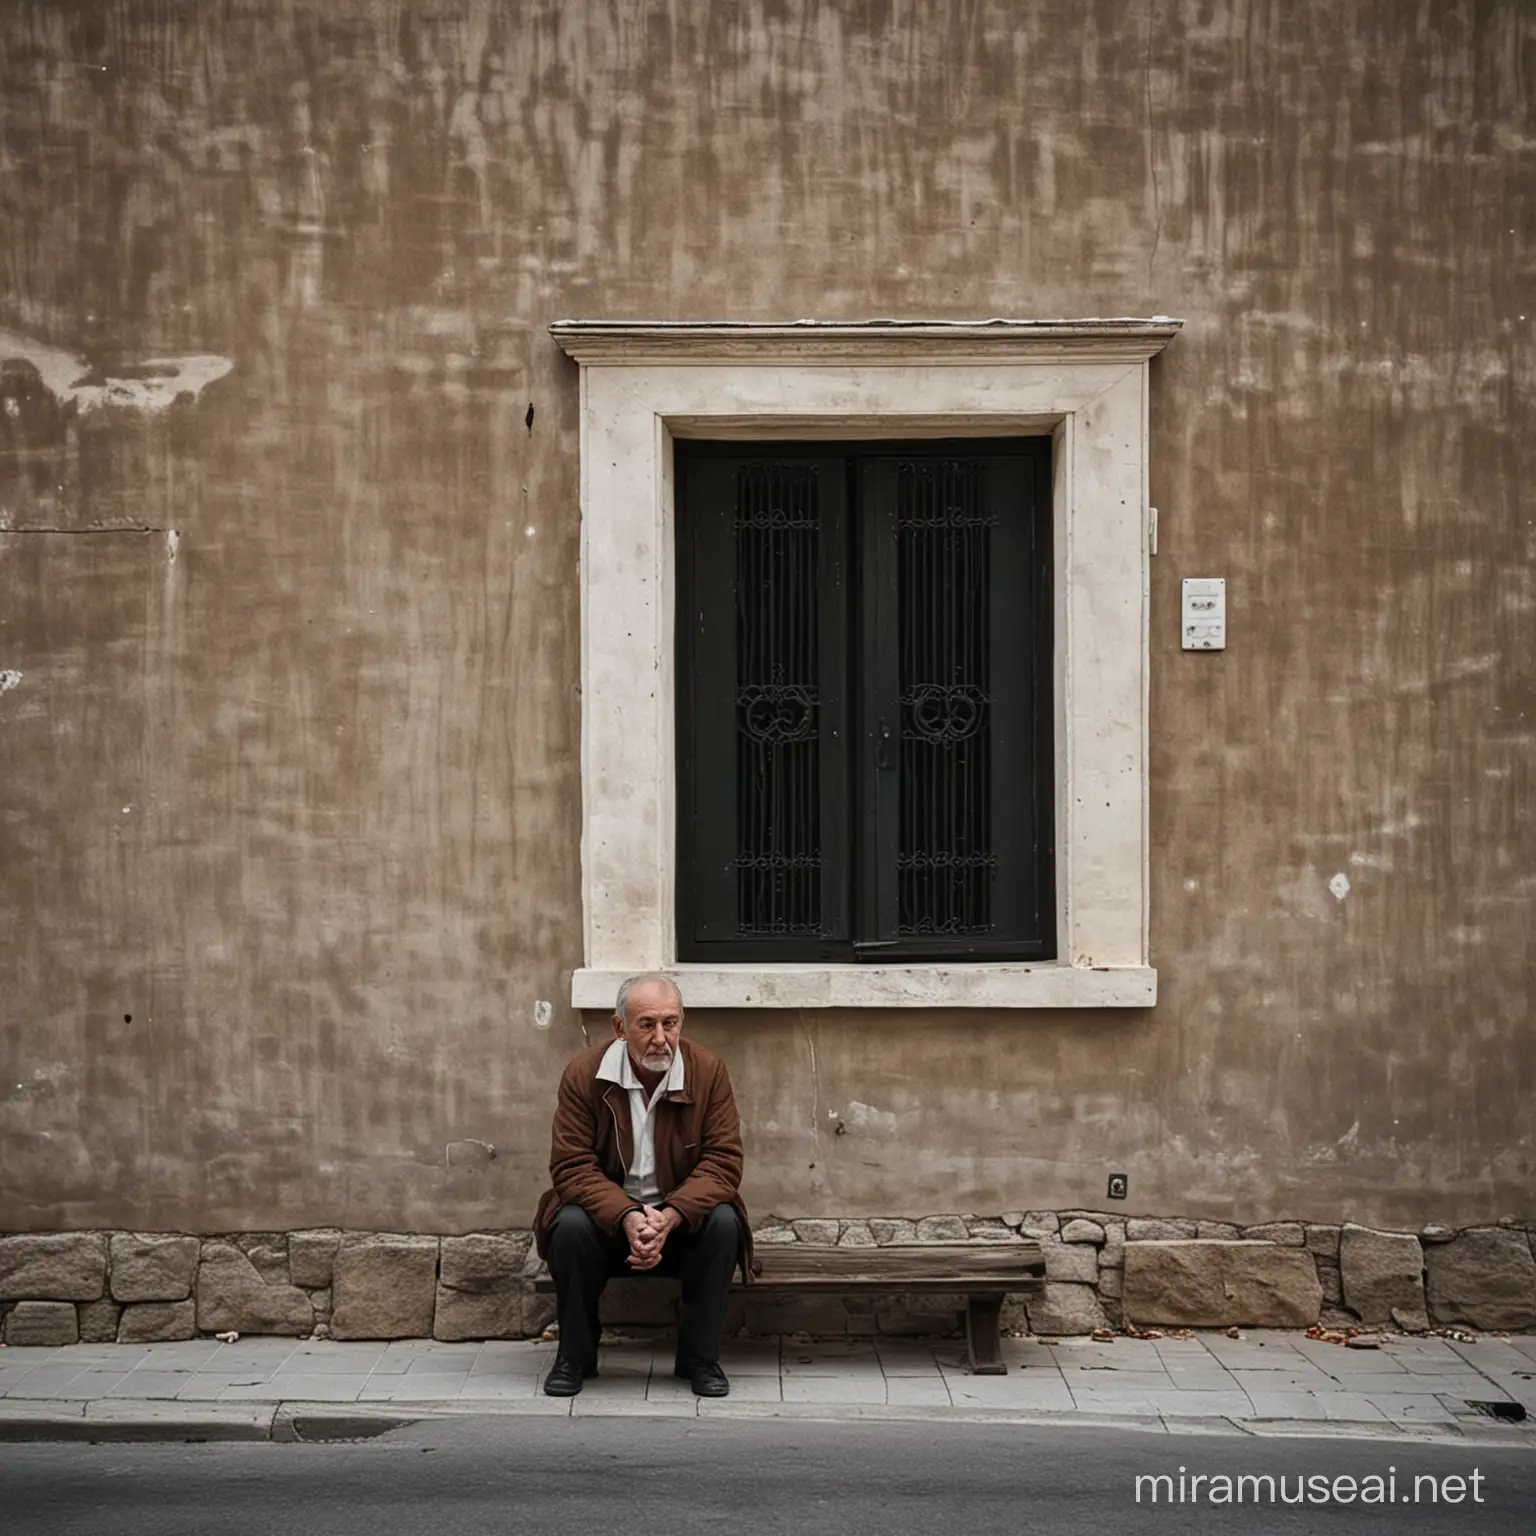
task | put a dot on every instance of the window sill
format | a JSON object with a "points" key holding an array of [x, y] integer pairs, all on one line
{"points": [[1048, 985]]}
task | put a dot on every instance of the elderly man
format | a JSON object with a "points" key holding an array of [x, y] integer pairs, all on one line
{"points": [[645, 1155]]}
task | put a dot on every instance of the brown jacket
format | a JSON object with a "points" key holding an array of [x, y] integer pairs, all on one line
{"points": [[698, 1147]]}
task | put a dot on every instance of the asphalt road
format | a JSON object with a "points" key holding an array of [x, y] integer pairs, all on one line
{"points": [[638, 1475]]}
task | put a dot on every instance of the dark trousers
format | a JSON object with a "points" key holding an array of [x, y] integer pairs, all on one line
{"points": [[583, 1258]]}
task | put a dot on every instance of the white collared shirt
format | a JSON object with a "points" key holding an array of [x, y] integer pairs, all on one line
{"points": [[640, 1176]]}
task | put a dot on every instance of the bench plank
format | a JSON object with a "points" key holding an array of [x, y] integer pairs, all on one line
{"points": [[996, 1267]]}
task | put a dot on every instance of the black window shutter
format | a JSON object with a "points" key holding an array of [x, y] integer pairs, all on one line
{"points": [[956, 649], [762, 676]]}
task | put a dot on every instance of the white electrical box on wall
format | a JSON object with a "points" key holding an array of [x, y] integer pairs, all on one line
{"points": [[1205, 613]]}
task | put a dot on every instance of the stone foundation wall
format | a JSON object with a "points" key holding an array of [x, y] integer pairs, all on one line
{"points": [[1102, 1271]]}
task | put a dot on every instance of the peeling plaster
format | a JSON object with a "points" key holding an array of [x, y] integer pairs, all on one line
{"points": [[151, 385], [9, 679], [868, 1119], [1339, 885]]}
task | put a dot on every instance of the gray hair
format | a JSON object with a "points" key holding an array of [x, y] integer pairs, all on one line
{"points": [[628, 985]]}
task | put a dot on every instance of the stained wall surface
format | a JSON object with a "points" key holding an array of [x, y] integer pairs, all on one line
{"points": [[289, 649]]}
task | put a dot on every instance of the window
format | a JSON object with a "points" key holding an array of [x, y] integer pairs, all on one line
{"points": [[652, 393], [863, 703]]}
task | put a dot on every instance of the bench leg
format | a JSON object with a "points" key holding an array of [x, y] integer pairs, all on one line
{"points": [[983, 1335]]}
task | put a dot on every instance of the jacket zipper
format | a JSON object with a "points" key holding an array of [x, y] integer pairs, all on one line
{"points": [[618, 1138]]}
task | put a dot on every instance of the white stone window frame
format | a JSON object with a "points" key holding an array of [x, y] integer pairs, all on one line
{"points": [[646, 384]]}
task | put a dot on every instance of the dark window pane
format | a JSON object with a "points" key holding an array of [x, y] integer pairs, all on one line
{"points": [[945, 856], [864, 703], [778, 762]]}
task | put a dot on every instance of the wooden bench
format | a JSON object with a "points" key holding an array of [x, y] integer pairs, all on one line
{"points": [[983, 1273]]}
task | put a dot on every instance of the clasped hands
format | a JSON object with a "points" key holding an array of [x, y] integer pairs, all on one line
{"points": [[647, 1231]]}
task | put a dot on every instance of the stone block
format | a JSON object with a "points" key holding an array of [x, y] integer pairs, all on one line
{"points": [[774, 1234], [1040, 1224], [482, 1261], [1072, 1262], [384, 1287], [857, 1234], [268, 1252], [1382, 1274], [152, 1266], [232, 1296], [484, 1314], [1149, 1229], [156, 1322], [1014, 1219], [312, 1255], [1484, 1277], [942, 1229], [1332, 1283], [1435, 1233], [98, 1321], [1111, 1282], [1227, 1229], [1288, 1234], [53, 1266], [893, 1230], [1323, 1241], [480, 1287], [1081, 1230], [1112, 1254], [1065, 1309], [822, 1233], [321, 1301], [1213, 1283], [42, 1323], [992, 1232], [918, 1316]]}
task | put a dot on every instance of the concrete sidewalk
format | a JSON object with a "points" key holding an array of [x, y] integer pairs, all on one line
{"points": [[1262, 1383]]}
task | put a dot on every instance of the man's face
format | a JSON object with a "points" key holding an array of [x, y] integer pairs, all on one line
{"points": [[652, 1029]]}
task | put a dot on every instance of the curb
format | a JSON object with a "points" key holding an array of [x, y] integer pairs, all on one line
{"points": [[291, 1423]]}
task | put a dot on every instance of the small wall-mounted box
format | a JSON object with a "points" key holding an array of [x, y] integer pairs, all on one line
{"points": [[1204, 626]]}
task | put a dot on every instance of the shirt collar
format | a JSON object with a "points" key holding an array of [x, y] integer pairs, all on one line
{"points": [[616, 1067]]}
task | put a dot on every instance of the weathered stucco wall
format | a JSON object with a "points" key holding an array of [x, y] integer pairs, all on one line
{"points": [[289, 720]]}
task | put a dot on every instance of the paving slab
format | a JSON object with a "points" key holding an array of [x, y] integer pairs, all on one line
{"points": [[865, 1388], [1413, 1388], [915, 1392], [145, 1383], [1202, 1405], [1411, 1407], [496, 1389], [1003, 1392], [328, 1363]]}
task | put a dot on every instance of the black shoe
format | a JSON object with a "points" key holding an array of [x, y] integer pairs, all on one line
{"points": [[707, 1378], [565, 1379]]}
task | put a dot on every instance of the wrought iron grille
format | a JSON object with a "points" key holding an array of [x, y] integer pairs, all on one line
{"points": [[945, 858], [778, 763]]}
